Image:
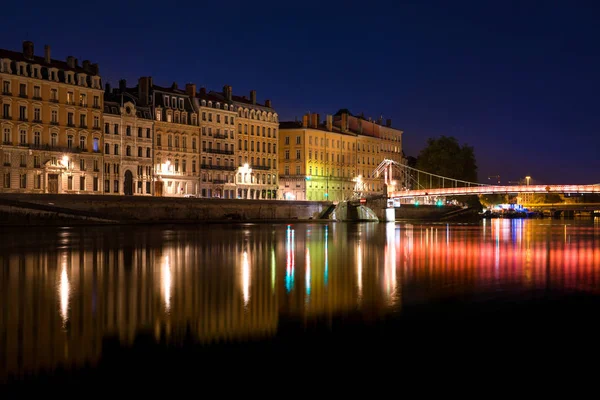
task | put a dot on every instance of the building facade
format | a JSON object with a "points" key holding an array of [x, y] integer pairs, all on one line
{"points": [[176, 137], [330, 161], [217, 133], [51, 120], [128, 144], [257, 137]]}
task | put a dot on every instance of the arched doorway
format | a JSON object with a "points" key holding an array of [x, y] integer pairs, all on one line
{"points": [[128, 184]]}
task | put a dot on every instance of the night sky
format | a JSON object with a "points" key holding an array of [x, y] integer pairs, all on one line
{"points": [[519, 80]]}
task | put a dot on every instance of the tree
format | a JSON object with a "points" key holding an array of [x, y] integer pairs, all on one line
{"points": [[446, 157]]}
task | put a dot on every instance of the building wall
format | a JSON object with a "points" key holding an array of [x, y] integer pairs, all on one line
{"points": [[51, 130], [218, 161], [130, 134], [257, 134], [177, 166]]}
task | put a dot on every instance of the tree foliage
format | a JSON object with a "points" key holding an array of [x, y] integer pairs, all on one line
{"points": [[445, 156]]}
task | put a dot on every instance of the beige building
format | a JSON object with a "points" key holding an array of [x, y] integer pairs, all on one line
{"points": [[176, 137], [50, 123], [217, 126], [257, 137], [128, 142], [330, 161]]}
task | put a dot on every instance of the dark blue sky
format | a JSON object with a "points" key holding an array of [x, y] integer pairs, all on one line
{"points": [[517, 80]]}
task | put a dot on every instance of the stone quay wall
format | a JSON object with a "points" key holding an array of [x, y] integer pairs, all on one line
{"points": [[125, 209]]}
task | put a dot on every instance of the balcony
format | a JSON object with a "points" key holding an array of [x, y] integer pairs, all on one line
{"points": [[70, 125], [6, 117], [217, 167], [53, 122], [37, 121], [37, 98], [23, 144], [219, 181], [23, 165], [7, 164], [23, 119], [96, 106], [53, 100], [219, 136], [218, 151], [23, 96], [82, 126], [5, 93], [61, 149], [70, 103], [82, 104], [260, 167]]}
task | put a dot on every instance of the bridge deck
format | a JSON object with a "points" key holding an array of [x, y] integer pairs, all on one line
{"points": [[476, 190]]}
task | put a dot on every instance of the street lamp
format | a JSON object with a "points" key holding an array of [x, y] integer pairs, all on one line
{"points": [[527, 178], [65, 161]]}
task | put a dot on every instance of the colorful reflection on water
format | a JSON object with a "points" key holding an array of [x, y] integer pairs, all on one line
{"points": [[63, 291]]}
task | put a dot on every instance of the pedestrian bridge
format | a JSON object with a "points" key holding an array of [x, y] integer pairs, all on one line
{"points": [[478, 190]]}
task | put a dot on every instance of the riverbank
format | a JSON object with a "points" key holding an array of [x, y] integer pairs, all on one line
{"points": [[48, 209]]}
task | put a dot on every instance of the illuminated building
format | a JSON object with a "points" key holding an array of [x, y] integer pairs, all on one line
{"points": [[330, 161], [176, 156], [217, 125], [50, 123], [128, 142], [257, 126]]}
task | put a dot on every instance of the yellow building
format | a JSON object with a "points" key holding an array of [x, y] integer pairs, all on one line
{"points": [[328, 162], [50, 122], [128, 142], [257, 127]]}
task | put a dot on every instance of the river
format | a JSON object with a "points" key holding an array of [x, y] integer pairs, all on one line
{"points": [[72, 299]]}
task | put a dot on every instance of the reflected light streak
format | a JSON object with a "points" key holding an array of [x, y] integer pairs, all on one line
{"points": [[246, 278], [273, 270], [390, 260], [326, 273], [64, 289], [307, 271], [167, 283], [289, 267], [359, 268]]}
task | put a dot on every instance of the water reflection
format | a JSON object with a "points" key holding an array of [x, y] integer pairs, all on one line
{"points": [[225, 283]]}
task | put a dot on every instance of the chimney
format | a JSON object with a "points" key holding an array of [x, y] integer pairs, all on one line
{"points": [[144, 88], [190, 89], [203, 91], [268, 103], [95, 69], [344, 126], [227, 92], [253, 96], [305, 121], [71, 61], [380, 120], [122, 85], [388, 122], [107, 88], [47, 54], [329, 123], [86, 65], [314, 123], [28, 49], [174, 85]]}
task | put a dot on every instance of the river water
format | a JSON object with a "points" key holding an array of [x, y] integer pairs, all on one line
{"points": [[71, 298]]}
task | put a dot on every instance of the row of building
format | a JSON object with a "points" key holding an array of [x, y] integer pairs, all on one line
{"points": [[63, 131]]}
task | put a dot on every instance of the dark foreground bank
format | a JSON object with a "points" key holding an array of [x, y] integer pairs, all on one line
{"points": [[547, 333]]}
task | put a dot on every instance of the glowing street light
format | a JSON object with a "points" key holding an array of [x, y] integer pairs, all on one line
{"points": [[527, 178], [65, 161]]}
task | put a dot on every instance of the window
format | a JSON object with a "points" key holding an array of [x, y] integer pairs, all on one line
{"points": [[96, 104], [176, 141], [287, 140], [23, 113], [70, 183], [176, 165], [96, 122], [158, 115], [6, 110], [287, 154], [148, 133], [37, 181], [170, 140], [193, 165], [297, 139], [70, 141], [82, 144], [70, 121], [127, 151], [183, 166], [287, 170], [54, 95], [148, 152], [297, 170], [251, 146], [193, 143], [82, 164], [6, 87], [82, 183], [184, 142], [23, 136], [37, 114], [158, 140], [96, 145], [107, 186], [82, 100], [96, 166], [95, 184], [53, 140], [140, 152], [23, 181], [23, 90], [297, 154], [116, 187], [23, 160], [7, 180], [116, 152], [116, 129], [37, 138], [210, 117], [70, 98], [181, 103]]}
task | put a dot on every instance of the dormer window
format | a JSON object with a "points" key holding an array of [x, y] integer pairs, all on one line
{"points": [[6, 66], [226, 107], [159, 115], [174, 102], [82, 80], [166, 101], [204, 103], [181, 103], [184, 118], [169, 116], [210, 103]]}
